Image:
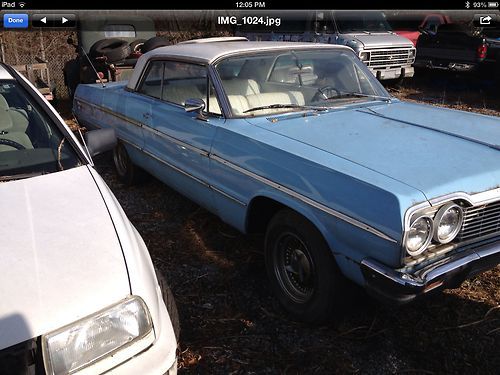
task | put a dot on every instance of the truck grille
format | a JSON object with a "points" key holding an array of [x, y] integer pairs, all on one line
{"points": [[480, 221], [390, 57], [21, 359]]}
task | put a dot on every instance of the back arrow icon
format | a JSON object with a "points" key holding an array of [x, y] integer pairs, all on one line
{"points": [[44, 20]]}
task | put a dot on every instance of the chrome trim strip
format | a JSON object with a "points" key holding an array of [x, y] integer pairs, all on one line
{"points": [[110, 112], [176, 168], [217, 190], [304, 199], [177, 141], [131, 144]]}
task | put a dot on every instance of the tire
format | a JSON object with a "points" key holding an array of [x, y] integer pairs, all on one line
{"points": [[113, 49], [311, 292], [128, 173], [154, 42], [168, 298], [136, 45]]}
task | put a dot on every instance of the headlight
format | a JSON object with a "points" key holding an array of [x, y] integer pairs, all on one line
{"points": [[412, 53], [448, 222], [419, 235], [99, 341], [364, 56]]}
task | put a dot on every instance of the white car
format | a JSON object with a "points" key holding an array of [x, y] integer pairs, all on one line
{"points": [[79, 291]]}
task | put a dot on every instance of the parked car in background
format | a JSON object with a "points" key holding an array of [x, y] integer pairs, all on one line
{"points": [[411, 28], [79, 290], [461, 47], [300, 141], [387, 55], [112, 44]]}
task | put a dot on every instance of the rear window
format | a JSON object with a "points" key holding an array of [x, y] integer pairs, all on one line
{"points": [[119, 31]]}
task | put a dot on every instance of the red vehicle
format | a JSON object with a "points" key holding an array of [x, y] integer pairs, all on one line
{"points": [[411, 28]]}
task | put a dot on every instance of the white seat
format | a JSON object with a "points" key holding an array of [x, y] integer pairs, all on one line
{"points": [[239, 86], [263, 99]]}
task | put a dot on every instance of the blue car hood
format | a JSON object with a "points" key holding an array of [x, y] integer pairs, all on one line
{"points": [[435, 150]]}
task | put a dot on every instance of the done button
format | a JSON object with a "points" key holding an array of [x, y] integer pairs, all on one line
{"points": [[15, 21]]}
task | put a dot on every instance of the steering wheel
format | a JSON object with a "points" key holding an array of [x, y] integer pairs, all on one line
{"points": [[325, 93], [13, 144]]}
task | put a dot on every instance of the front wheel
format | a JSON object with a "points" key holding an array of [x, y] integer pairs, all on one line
{"points": [[301, 268]]}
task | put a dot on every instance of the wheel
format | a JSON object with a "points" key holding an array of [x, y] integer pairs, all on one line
{"points": [[169, 300], [128, 173], [325, 93], [13, 144], [154, 42], [301, 268], [113, 49]]}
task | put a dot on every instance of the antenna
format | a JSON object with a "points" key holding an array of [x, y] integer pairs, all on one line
{"points": [[93, 67]]}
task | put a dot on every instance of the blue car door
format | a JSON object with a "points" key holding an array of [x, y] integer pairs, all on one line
{"points": [[178, 142]]}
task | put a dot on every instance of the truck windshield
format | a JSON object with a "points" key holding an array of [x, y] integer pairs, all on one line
{"points": [[361, 22], [30, 143], [296, 80]]}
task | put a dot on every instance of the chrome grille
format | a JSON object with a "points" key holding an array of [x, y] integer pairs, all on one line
{"points": [[480, 221], [390, 57]]}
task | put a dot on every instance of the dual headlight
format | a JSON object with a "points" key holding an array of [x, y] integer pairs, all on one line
{"points": [[443, 228], [100, 341]]}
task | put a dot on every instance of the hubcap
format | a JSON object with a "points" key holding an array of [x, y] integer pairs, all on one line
{"points": [[294, 268]]}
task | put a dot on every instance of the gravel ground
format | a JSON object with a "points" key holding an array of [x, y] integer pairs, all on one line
{"points": [[231, 324]]}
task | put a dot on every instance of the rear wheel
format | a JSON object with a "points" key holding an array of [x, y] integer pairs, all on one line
{"points": [[301, 268], [127, 172]]}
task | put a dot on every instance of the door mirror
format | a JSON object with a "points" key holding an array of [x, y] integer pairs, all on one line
{"points": [[99, 141], [194, 105]]}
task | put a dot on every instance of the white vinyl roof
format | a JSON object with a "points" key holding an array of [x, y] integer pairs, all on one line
{"points": [[209, 52]]}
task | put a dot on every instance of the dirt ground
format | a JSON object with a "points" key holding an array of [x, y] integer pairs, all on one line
{"points": [[231, 323]]}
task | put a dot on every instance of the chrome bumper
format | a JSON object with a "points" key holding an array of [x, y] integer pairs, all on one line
{"points": [[388, 284], [393, 73]]}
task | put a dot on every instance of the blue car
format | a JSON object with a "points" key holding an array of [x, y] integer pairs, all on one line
{"points": [[301, 142]]}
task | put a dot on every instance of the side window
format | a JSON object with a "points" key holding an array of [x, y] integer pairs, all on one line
{"points": [[152, 83], [213, 104], [184, 81]]}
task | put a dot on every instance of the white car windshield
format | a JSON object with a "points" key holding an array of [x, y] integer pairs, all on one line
{"points": [[316, 79], [30, 143]]}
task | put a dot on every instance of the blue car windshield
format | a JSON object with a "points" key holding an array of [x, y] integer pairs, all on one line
{"points": [[30, 143], [291, 80]]}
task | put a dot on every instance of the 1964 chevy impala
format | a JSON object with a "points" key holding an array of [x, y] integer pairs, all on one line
{"points": [[301, 142]]}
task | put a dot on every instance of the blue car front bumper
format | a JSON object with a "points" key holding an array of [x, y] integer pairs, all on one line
{"points": [[388, 284]]}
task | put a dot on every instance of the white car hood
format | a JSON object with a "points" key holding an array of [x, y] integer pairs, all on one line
{"points": [[60, 256], [380, 40]]}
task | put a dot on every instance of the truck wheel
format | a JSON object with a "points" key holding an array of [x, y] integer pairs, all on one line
{"points": [[169, 300], [301, 268], [128, 173], [113, 49], [154, 42]]}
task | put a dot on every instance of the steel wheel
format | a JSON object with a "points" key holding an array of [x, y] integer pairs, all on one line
{"points": [[121, 160], [294, 267]]}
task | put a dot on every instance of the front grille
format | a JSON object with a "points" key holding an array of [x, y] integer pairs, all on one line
{"points": [[480, 221], [21, 359], [390, 57]]}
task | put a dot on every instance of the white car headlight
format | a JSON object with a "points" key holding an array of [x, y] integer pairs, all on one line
{"points": [[100, 341], [419, 235], [448, 222], [364, 56]]}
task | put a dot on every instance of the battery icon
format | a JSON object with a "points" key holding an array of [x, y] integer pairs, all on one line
{"points": [[492, 4]]}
